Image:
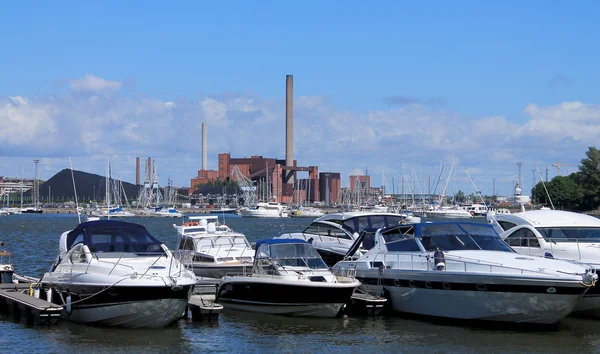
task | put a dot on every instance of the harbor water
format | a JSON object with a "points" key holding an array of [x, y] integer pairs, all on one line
{"points": [[33, 241]]}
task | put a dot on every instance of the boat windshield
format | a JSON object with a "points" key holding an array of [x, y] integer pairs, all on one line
{"points": [[455, 237], [292, 255], [570, 234], [122, 239], [221, 241]]}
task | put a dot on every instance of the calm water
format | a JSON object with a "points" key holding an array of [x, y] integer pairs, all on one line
{"points": [[33, 240]]}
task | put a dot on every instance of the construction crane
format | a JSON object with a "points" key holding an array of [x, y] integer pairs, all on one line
{"points": [[246, 186], [558, 165]]}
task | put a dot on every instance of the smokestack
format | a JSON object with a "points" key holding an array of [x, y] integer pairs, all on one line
{"points": [[149, 170], [204, 144], [289, 125], [137, 171]]}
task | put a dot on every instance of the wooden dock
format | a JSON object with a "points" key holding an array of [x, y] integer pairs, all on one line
{"points": [[15, 300]]}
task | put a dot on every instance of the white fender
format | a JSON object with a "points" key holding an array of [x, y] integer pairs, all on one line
{"points": [[69, 309]]}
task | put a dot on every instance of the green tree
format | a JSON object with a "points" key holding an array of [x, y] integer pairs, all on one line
{"points": [[459, 197], [588, 178], [565, 192]]}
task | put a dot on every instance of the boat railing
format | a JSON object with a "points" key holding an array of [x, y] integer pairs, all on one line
{"points": [[229, 248], [418, 261], [344, 275], [526, 242], [328, 238], [173, 271]]}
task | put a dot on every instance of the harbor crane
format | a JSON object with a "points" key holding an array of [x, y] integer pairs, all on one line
{"points": [[558, 166]]}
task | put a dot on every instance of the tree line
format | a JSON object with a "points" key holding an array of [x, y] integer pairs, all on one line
{"points": [[578, 191]]}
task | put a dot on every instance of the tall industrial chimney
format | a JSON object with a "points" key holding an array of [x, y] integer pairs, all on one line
{"points": [[289, 125], [149, 170], [204, 144], [137, 171]]}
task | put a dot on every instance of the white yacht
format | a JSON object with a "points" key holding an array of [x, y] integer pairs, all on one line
{"points": [[115, 273], [6, 268], [288, 278], [307, 212], [265, 210], [113, 212], [477, 209], [555, 234], [464, 270], [333, 234], [212, 249], [168, 212], [448, 212]]}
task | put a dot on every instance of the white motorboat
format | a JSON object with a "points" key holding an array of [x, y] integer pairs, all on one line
{"points": [[7, 269], [112, 212], [212, 249], [288, 278], [265, 210], [448, 212], [556, 234], [477, 209], [115, 273], [464, 270], [307, 212], [168, 212], [333, 234]]}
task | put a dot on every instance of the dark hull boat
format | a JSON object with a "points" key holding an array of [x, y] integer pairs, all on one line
{"points": [[288, 278]]}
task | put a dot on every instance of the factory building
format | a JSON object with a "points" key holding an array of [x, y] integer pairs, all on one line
{"points": [[274, 179]]}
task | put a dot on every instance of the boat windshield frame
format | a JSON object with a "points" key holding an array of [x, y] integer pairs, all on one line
{"points": [[444, 236], [288, 255], [567, 233]]}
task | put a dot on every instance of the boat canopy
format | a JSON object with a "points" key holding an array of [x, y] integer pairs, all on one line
{"points": [[112, 236], [285, 248], [287, 252]]}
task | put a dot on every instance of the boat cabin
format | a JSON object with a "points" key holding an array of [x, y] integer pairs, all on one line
{"points": [[6, 268], [277, 256], [104, 237]]}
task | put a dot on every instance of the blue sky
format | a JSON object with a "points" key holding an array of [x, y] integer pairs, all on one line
{"points": [[390, 81]]}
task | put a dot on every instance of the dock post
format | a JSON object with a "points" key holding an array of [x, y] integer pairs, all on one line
{"points": [[16, 311], [29, 316]]}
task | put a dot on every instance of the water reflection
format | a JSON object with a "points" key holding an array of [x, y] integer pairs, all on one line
{"points": [[33, 240]]}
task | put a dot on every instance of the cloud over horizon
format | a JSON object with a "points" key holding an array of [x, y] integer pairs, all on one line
{"points": [[103, 123]]}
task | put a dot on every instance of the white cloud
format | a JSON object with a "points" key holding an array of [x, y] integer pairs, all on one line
{"points": [[575, 120], [91, 83], [338, 140]]}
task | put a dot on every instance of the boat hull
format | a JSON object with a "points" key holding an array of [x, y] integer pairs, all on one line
{"points": [[129, 307], [227, 211], [287, 298], [543, 303], [136, 314], [259, 214]]}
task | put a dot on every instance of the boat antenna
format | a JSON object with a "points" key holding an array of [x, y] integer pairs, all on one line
{"points": [[75, 190], [476, 190], [546, 189]]}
